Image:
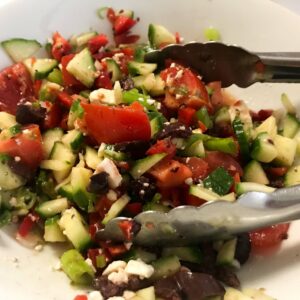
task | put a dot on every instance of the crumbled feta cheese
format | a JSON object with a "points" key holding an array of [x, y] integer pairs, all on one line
{"points": [[128, 295], [173, 65], [108, 166], [145, 184], [179, 74], [173, 120], [101, 150], [117, 57], [38, 248], [17, 158], [103, 96], [90, 263], [182, 127], [178, 96], [112, 195], [158, 105], [26, 131], [95, 295], [114, 266], [98, 65], [189, 181], [116, 298], [142, 192], [138, 267], [118, 277], [150, 101]]}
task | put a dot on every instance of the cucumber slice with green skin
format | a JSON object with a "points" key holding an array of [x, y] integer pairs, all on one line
{"points": [[91, 158], [8, 179], [139, 253], [19, 49], [226, 253], [126, 13], [141, 166], [290, 126], [76, 112], [49, 138], [196, 149], [64, 154], [292, 177], [203, 116], [52, 231], [222, 115], [226, 145], [7, 120], [244, 187], [75, 229], [56, 76], [241, 136], [137, 68], [76, 268], [116, 208], [73, 139], [110, 153], [53, 207], [208, 195], [269, 126], [146, 82], [66, 191], [158, 88], [80, 178], [146, 293], [254, 172], [263, 148], [286, 102], [165, 267], [81, 40], [53, 164], [156, 125], [189, 254], [114, 69], [286, 149], [82, 67], [159, 35], [39, 68]]}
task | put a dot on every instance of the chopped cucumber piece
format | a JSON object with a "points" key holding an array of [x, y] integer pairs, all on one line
{"points": [[75, 229], [226, 145], [51, 208], [110, 153], [189, 254], [219, 181], [253, 172], [290, 126], [288, 105], [114, 69], [222, 115], [73, 139], [49, 138], [227, 252], [146, 293], [81, 40], [137, 68], [19, 49], [286, 149], [116, 208], [39, 68], [76, 268], [53, 164], [66, 191], [165, 267], [212, 34], [195, 149], [56, 76], [292, 177], [141, 166], [241, 136], [76, 112], [53, 232], [139, 253], [244, 187], [146, 82], [203, 116], [263, 148], [158, 35], [7, 120], [159, 87], [208, 195], [269, 126], [91, 158], [82, 67]]}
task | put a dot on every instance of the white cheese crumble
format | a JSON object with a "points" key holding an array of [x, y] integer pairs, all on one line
{"points": [[189, 181], [95, 295], [118, 277], [114, 266], [103, 96], [128, 295], [116, 298], [17, 158], [139, 268], [108, 166], [112, 195], [38, 248]]}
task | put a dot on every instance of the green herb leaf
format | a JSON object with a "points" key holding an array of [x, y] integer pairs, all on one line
{"points": [[4, 158], [15, 129], [77, 109], [5, 217], [101, 12], [241, 136], [219, 181]]}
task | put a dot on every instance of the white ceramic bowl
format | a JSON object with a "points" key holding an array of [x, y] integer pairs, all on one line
{"points": [[259, 25]]}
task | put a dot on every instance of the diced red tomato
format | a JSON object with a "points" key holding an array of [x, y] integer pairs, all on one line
{"points": [[198, 166], [60, 46], [111, 15], [28, 146], [126, 228], [193, 200], [81, 297], [269, 237], [116, 124], [68, 79], [133, 208], [65, 99], [116, 250], [177, 37], [102, 206], [172, 195], [53, 117], [261, 115], [202, 126], [185, 115], [123, 24], [37, 86], [277, 171], [27, 224], [126, 38], [184, 87], [95, 43], [15, 85], [170, 173], [217, 159], [103, 81], [163, 146]]}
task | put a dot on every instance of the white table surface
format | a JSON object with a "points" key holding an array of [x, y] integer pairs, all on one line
{"points": [[293, 5]]}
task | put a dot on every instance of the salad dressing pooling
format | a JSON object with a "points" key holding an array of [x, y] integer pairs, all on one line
{"points": [[93, 132]]}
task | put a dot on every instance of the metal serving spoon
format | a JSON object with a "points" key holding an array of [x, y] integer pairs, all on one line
{"points": [[186, 225], [231, 64]]}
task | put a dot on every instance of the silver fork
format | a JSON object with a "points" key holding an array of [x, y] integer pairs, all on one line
{"points": [[186, 225], [231, 64]]}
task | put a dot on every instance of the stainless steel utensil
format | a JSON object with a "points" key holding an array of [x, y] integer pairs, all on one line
{"points": [[187, 225], [231, 64]]}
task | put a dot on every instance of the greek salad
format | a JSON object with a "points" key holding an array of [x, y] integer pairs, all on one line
{"points": [[92, 132]]}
